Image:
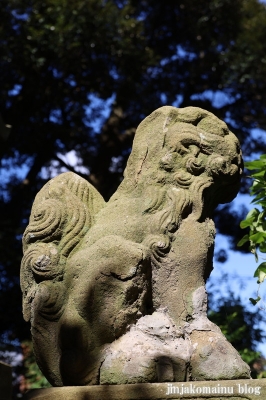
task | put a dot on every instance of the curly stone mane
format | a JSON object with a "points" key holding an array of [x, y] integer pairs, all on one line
{"points": [[176, 156]]}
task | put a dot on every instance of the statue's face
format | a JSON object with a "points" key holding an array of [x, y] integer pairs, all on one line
{"points": [[190, 153]]}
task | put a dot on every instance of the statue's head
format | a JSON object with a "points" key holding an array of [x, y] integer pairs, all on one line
{"points": [[189, 149]]}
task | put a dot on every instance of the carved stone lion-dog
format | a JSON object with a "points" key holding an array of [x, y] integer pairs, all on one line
{"points": [[115, 292]]}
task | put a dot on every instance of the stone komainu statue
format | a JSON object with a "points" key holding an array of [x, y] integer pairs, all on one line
{"points": [[115, 292]]}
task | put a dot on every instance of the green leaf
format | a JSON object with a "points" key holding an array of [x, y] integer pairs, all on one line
{"points": [[243, 240], [258, 174], [255, 301], [257, 188], [258, 237], [256, 164], [260, 272], [258, 200], [246, 222], [260, 228], [252, 213], [262, 247]]}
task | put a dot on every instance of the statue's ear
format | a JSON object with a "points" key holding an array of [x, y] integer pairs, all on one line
{"points": [[149, 142]]}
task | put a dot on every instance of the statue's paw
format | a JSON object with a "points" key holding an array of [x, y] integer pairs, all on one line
{"points": [[214, 358]]}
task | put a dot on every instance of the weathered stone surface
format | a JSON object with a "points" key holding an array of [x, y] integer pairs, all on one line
{"points": [[5, 381], [115, 291], [211, 390]]}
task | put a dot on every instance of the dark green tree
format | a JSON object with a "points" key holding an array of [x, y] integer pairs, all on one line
{"points": [[80, 76], [241, 327]]}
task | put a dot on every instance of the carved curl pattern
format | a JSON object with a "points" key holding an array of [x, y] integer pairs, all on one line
{"points": [[49, 301], [41, 259], [62, 213], [46, 222], [158, 246]]}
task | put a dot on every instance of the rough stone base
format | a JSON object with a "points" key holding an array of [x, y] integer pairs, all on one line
{"points": [[242, 389], [5, 381]]}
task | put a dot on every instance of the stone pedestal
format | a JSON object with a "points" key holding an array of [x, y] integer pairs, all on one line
{"points": [[5, 381], [242, 389]]}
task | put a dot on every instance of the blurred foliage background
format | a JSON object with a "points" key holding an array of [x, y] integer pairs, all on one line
{"points": [[78, 76]]}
